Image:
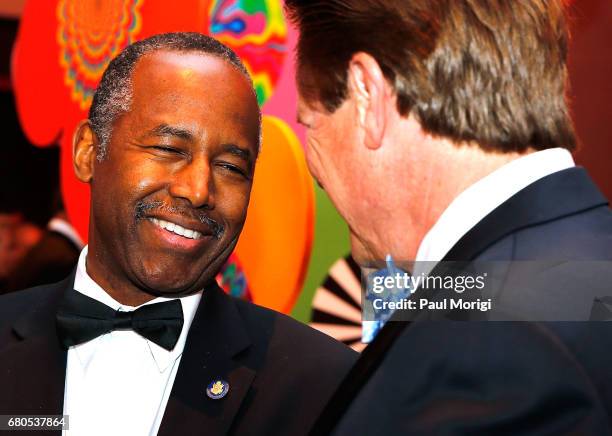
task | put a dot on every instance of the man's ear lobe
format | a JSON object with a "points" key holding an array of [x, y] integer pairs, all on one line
{"points": [[372, 94], [84, 151]]}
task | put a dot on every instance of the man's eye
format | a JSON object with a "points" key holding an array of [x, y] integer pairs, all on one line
{"points": [[166, 149], [233, 169]]}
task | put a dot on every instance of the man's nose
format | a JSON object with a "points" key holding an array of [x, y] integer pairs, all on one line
{"points": [[194, 183]]}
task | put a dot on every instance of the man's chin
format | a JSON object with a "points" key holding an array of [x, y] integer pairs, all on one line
{"points": [[170, 274], [360, 253], [162, 283], [364, 260], [173, 289]]}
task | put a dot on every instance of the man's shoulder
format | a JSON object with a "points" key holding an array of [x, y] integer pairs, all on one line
{"points": [[557, 270], [586, 235], [14, 304], [582, 236], [297, 371], [281, 332], [568, 218], [293, 347]]}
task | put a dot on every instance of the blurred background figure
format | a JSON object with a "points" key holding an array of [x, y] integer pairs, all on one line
{"points": [[52, 258], [29, 199], [17, 236]]}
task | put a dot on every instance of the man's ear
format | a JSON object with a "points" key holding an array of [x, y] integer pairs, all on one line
{"points": [[372, 94], [84, 151]]}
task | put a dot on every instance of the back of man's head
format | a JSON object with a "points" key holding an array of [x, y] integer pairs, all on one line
{"points": [[491, 72]]}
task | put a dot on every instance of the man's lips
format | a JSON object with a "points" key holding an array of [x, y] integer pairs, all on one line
{"points": [[179, 238], [177, 228], [181, 224]]}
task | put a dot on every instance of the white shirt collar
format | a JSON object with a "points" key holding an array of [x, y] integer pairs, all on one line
{"points": [[84, 284], [481, 198]]}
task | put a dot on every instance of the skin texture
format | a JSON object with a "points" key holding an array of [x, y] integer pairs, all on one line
{"points": [[185, 153], [387, 177]]}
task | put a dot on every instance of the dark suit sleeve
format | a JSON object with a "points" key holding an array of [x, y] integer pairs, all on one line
{"points": [[445, 378]]}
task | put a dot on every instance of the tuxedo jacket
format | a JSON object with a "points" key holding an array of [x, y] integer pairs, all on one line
{"points": [[500, 378], [280, 372]]}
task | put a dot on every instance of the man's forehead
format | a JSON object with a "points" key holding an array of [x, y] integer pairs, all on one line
{"points": [[176, 77], [183, 64], [181, 89]]}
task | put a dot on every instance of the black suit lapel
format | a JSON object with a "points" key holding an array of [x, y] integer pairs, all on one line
{"points": [[216, 338], [33, 367], [557, 195]]}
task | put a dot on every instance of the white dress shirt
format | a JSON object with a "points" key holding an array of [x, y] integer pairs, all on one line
{"points": [[119, 383], [481, 198]]}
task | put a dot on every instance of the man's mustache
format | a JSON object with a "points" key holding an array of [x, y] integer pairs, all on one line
{"points": [[143, 207]]}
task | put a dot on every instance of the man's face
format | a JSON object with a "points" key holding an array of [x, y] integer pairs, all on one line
{"points": [[170, 199], [334, 159]]}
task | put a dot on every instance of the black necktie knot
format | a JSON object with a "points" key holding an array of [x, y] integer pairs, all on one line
{"points": [[123, 320]]}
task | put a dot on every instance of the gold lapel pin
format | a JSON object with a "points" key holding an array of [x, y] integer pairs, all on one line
{"points": [[217, 389]]}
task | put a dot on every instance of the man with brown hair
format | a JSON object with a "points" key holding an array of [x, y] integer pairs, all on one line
{"points": [[440, 130]]}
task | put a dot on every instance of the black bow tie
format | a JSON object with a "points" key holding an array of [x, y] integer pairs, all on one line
{"points": [[80, 319]]}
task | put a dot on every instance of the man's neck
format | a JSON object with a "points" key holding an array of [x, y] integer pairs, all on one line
{"points": [[441, 173]]}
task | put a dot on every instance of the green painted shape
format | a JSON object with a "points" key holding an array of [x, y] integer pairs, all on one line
{"points": [[253, 6], [331, 242], [261, 93]]}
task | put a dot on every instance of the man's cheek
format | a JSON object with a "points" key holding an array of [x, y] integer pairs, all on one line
{"points": [[236, 216], [231, 205], [311, 161]]}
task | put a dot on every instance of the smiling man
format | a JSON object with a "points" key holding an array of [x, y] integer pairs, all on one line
{"points": [[140, 339]]}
